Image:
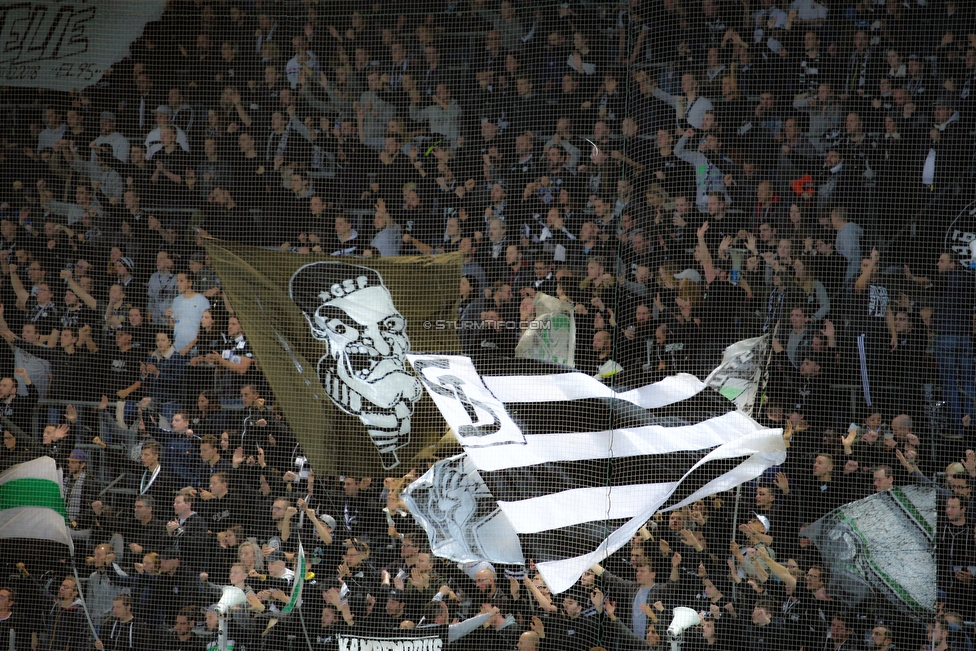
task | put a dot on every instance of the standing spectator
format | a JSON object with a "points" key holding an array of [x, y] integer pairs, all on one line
{"points": [[65, 622], [188, 530], [161, 289], [81, 490], [144, 533], [103, 586], [848, 241], [162, 374], [954, 557], [952, 322], [185, 315]]}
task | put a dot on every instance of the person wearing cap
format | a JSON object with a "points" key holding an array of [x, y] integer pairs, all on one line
{"points": [[135, 291], [280, 577], [395, 611], [572, 629], [324, 524], [154, 139]]}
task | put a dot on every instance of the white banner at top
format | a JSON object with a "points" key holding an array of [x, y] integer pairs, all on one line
{"points": [[68, 45]]}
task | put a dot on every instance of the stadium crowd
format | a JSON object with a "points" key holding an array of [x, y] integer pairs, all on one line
{"points": [[684, 173]]}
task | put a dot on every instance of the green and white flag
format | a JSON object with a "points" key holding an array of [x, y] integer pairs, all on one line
{"points": [[882, 546], [551, 336], [32, 504], [740, 375], [301, 569]]}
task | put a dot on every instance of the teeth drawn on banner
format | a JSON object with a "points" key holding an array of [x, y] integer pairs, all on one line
{"points": [[590, 467], [344, 402], [364, 370]]}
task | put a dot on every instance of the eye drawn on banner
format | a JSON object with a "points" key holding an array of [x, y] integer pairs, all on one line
{"points": [[363, 369], [478, 418]]}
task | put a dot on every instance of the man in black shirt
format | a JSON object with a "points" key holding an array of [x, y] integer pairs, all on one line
{"points": [[874, 321], [725, 298], [766, 633], [121, 375], [14, 626], [188, 530], [220, 508], [40, 309], [144, 533], [18, 409]]}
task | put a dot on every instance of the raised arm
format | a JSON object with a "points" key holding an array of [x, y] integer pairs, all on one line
{"points": [[779, 571], [18, 286], [5, 331], [706, 256], [544, 602], [320, 528], [864, 280], [85, 297]]}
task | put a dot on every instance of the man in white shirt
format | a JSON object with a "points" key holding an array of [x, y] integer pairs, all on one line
{"points": [[154, 141]]}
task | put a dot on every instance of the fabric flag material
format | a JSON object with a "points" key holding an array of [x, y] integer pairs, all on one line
{"points": [[330, 335], [577, 468], [551, 336], [740, 375], [460, 515], [69, 46], [882, 546], [301, 569], [31, 502]]}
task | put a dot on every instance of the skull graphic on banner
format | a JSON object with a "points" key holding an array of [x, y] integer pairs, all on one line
{"points": [[363, 370]]}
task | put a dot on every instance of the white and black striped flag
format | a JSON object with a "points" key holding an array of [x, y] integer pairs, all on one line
{"points": [[574, 468]]}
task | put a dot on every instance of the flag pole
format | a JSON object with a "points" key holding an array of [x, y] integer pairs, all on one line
{"points": [[301, 619], [84, 606]]}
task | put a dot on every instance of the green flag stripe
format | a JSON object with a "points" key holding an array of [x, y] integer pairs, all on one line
{"points": [[893, 585], [912, 512], [32, 492]]}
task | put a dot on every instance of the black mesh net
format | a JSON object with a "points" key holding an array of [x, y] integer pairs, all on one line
{"points": [[487, 325]]}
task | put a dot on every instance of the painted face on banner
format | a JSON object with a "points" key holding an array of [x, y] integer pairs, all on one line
{"points": [[363, 368]]}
